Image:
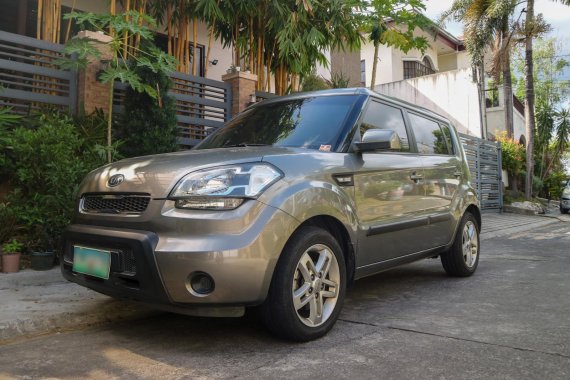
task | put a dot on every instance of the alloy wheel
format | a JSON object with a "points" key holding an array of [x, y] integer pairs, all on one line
{"points": [[316, 285]]}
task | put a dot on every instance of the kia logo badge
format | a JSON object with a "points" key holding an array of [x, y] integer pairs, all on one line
{"points": [[115, 180]]}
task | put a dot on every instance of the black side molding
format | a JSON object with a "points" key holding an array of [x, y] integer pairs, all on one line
{"points": [[392, 227]]}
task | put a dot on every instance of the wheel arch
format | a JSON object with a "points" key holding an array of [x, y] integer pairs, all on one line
{"points": [[476, 212], [337, 229]]}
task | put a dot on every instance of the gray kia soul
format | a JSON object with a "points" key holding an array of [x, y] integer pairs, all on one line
{"points": [[283, 208]]}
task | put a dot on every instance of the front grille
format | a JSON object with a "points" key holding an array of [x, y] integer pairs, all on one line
{"points": [[115, 203]]}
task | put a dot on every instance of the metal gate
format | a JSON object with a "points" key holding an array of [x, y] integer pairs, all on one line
{"points": [[484, 158], [30, 78]]}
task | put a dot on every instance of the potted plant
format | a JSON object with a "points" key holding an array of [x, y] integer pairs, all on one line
{"points": [[11, 252], [42, 256]]}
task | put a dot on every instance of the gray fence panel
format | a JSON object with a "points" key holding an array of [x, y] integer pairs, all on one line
{"points": [[485, 164], [29, 77]]}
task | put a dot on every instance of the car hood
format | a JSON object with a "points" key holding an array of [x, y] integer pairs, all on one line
{"points": [[156, 175]]}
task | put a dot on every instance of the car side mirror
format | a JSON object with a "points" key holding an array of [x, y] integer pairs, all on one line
{"points": [[378, 139]]}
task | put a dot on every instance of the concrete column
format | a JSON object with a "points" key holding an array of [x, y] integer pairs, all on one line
{"points": [[92, 94], [242, 87]]}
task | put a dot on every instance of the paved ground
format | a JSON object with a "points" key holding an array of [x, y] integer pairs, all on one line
{"points": [[510, 320], [39, 302]]}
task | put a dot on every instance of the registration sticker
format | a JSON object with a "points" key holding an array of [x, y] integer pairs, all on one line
{"points": [[325, 148], [91, 261]]}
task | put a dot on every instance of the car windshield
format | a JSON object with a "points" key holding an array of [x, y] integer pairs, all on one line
{"points": [[312, 123]]}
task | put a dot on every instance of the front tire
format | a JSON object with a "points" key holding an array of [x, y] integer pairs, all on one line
{"points": [[462, 258], [563, 210], [308, 287]]}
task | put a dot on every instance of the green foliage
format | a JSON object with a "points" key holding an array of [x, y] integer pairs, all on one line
{"points": [[13, 246], [552, 183], [549, 65], [293, 34], [513, 154], [8, 225], [338, 80], [7, 118], [314, 82], [83, 50], [406, 16], [49, 159], [148, 125]]}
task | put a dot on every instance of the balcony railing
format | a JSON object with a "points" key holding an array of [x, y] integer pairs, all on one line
{"points": [[414, 69]]}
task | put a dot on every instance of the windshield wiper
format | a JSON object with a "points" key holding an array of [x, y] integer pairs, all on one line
{"points": [[243, 145]]}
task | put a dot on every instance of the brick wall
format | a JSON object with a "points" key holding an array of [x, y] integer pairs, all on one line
{"points": [[92, 94], [242, 87]]}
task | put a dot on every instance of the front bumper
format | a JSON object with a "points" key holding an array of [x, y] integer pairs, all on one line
{"points": [[565, 203], [154, 266]]}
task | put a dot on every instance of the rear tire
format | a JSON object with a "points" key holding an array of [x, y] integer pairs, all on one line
{"points": [[462, 258], [308, 287]]}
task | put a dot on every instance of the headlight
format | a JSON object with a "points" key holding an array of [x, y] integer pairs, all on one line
{"points": [[223, 188]]}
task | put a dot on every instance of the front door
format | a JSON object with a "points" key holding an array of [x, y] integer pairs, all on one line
{"points": [[389, 190]]}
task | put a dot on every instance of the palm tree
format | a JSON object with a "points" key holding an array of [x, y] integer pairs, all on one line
{"points": [[488, 25], [532, 24]]}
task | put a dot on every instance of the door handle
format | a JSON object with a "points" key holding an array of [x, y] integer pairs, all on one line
{"points": [[416, 177]]}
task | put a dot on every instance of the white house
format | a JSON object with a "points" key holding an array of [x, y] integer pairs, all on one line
{"points": [[440, 79]]}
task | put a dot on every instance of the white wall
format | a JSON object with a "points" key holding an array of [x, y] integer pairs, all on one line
{"points": [[323, 71], [451, 94], [390, 64], [496, 121], [384, 72], [463, 60], [496, 118]]}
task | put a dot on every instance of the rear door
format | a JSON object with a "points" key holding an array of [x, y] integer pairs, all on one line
{"points": [[442, 174]]}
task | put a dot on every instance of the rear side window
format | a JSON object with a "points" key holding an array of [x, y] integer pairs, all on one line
{"points": [[429, 136], [382, 116], [447, 135]]}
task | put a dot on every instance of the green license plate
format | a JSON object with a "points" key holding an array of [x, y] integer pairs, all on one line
{"points": [[91, 261]]}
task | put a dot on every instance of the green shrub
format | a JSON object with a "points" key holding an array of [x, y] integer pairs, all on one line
{"points": [[49, 160], [338, 80], [148, 125], [8, 121], [314, 82], [8, 222]]}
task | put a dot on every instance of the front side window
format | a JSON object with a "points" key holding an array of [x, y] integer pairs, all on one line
{"points": [[311, 123], [382, 116], [429, 137]]}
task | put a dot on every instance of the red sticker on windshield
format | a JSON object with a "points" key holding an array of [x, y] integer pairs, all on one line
{"points": [[325, 148]]}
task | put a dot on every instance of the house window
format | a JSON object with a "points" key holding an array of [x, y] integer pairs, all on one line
{"points": [[414, 69], [363, 72], [492, 97], [161, 41]]}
